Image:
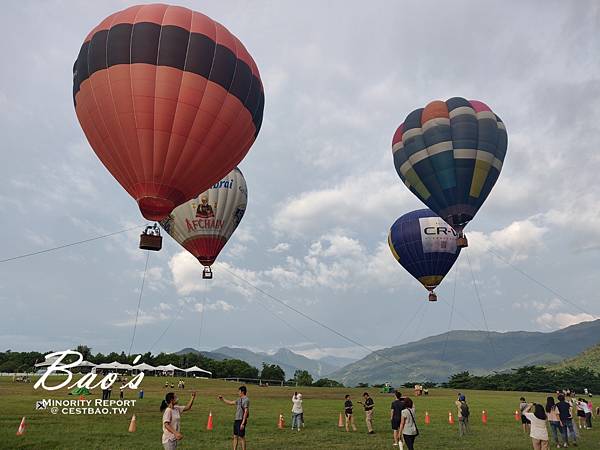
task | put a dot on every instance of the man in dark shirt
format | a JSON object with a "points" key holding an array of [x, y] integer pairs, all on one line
{"points": [[368, 405], [348, 413], [396, 416], [566, 420]]}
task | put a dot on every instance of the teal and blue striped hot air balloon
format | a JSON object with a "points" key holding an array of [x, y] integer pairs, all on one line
{"points": [[450, 154]]}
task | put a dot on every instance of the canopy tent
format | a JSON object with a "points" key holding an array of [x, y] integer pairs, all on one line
{"points": [[197, 369], [169, 368], [144, 366], [115, 365], [80, 391], [49, 361]]}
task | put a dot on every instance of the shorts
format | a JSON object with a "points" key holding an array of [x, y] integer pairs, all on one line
{"points": [[395, 424], [348, 414], [580, 413], [236, 429], [524, 420]]}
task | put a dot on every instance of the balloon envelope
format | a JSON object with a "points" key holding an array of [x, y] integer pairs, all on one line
{"points": [[169, 100], [204, 224], [450, 154], [424, 245]]}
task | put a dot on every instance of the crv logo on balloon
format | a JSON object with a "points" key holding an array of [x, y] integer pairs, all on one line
{"points": [[169, 100]]}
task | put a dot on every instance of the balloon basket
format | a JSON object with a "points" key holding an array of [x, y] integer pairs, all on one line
{"points": [[207, 273], [432, 297], [461, 241], [150, 239]]}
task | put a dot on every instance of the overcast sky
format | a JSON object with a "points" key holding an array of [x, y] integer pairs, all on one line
{"points": [[339, 77]]}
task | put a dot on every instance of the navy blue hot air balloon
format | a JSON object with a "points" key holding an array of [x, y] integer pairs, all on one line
{"points": [[450, 154], [425, 245]]}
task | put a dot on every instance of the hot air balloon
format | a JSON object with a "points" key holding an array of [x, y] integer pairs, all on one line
{"points": [[169, 100], [425, 245], [450, 154], [204, 224]]}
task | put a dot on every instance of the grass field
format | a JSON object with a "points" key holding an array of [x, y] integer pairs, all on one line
{"points": [[321, 405]]}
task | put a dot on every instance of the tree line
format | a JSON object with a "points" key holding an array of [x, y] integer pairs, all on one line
{"points": [[529, 378], [228, 368]]}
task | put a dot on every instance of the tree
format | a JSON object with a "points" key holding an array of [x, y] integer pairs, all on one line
{"points": [[326, 382], [272, 372], [303, 378], [85, 351]]}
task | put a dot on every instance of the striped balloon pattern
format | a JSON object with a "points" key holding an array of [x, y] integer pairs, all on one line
{"points": [[169, 100], [425, 245], [204, 224], [450, 154]]}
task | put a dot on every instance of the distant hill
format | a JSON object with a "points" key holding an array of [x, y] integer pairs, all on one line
{"points": [[589, 358], [211, 355], [284, 358], [425, 360]]}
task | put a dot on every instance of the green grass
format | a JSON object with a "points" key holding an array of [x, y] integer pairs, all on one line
{"points": [[322, 407]]}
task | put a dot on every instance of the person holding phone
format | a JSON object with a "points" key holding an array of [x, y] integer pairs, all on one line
{"points": [[240, 421], [171, 418]]}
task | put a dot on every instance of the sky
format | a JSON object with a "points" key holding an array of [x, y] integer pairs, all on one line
{"points": [[339, 77]]}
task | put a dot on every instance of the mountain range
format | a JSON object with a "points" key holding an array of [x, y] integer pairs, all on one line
{"points": [[480, 352], [288, 360]]}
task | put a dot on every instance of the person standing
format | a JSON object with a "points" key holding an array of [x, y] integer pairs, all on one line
{"points": [[297, 410], [587, 413], [171, 418], [554, 420], [566, 420], [524, 421], [538, 430], [463, 414], [408, 425], [240, 421], [368, 405], [348, 407], [396, 416]]}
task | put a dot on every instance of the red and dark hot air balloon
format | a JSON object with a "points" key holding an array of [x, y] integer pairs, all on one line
{"points": [[169, 100]]}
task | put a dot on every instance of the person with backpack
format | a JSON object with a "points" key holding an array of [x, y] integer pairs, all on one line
{"points": [[408, 425], [463, 415]]}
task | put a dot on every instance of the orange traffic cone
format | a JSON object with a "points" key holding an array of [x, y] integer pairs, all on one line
{"points": [[517, 415], [21, 430], [484, 416], [450, 418], [209, 424], [427, 420], [341, 421], [281, 422], [132, 425]]}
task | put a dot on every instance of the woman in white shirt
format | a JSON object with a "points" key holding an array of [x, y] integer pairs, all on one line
{"points": [[539, 432], [171, 418], [408, 427], [297, 410]]}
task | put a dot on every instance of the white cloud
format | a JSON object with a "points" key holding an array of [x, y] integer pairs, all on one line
{"points": [[219, 305], [562, 320], [280, 248], [357, 200]]}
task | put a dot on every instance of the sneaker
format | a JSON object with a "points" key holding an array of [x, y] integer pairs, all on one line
{"points": [[371, 432]]}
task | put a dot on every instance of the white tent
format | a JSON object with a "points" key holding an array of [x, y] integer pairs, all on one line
{"points": [[169, 368], [144, 366], [49, 361], [197, 369], [114, 365]]}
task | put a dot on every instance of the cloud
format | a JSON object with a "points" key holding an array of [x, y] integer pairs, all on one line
{"points": [[219, 305], [516, 241], [280, 248], [562, 320], [356, 200]]}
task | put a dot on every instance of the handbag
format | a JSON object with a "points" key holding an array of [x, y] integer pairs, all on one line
{"points": [[414, 421]]}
